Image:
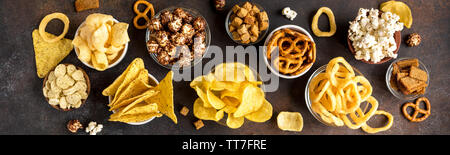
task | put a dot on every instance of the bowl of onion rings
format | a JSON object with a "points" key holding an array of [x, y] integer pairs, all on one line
{"points": [[289, 51]]}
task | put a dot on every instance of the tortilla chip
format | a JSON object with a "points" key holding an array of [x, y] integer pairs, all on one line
{"points": [[135, 88], [133, 118], [164, 98], [125, 102], [140, 108], [48, 55], [125, 78]]}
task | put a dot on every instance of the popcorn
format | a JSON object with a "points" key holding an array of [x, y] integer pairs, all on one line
{"points": [[93, 128], [372, 34]]}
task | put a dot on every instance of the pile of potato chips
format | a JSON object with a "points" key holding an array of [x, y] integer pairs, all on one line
{"points": [[100, 40], [135, 100], [233, 89]]}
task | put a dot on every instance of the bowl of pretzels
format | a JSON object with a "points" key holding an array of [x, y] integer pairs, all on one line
{"points": [[289, 51]]}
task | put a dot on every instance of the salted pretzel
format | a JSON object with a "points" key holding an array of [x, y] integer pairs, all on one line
{"points": [[296, 51], [142, 14], [426, 112]]}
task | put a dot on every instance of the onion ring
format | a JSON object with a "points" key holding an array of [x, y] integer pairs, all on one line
{"points": [[369, 129], [47, 19], [330, 15]]}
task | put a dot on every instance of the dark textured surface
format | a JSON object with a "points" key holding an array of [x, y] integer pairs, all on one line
{"points": [[23, 109]]}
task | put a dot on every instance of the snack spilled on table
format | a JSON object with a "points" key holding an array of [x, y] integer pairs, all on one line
{"points": [[184, 111], [247, 22], [413, 39], [408, 77], [177, 37], [139, 14], [230, 88], [372, 35], [135, 100], [417, 110], [315, 27], [288, 13], [66, 87], [296, 51], [339, 92], [48, 55], [290, 121], [81, 5], [100, 40], [400, 9]]}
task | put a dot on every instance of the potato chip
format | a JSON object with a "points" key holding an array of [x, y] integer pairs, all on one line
{"points": [[214, 100], [125, 78], [53, 101], [70, 69], [234, 122], [83, 94], [99, 38], [290, 121], [73, 99], [100, 61], [51, 76], [78, 75], [64, 82], [203, 97], [48, 55], [202, 112], [60, 70], [97, 19], [252, 99], [263, 114], [84, 52], [219, 115], [231, 101], [140, 108], [164, 98], [63, 103], [136, 87], [119, 34], [85, 32], [229, 72]]}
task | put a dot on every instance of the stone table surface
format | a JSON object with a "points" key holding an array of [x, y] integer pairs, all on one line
{"points": [[23, 109]]}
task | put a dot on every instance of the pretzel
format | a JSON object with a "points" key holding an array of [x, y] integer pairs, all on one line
{"points": [[296, 53], [417, 110], [142, 14]]}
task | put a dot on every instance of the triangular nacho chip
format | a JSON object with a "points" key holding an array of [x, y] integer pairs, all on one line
{"points": [[133, 118], [48, 55], [135, 88], [164, 98], [129, 74], [125, 102], [140, 108]]}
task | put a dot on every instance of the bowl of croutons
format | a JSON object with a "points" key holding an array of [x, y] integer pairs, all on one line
{"points": [[247, 23]]}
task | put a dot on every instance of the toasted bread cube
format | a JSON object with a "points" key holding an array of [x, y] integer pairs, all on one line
{"points": [[236, 21], [262, 16], [242, 29], [253, 38], [198, 124], [251, 13], [184, 111], [249, 19], [247, 5], [255, 9], [242, 13], [236, 35], [235, 8], [245, 37], [231, 28], [254, 30], [246, 42], [263, 25]]}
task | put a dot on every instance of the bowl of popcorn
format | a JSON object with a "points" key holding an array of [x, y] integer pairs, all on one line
{"points": [[178, 37], [247, 23], [66, 87], [374, 37]]}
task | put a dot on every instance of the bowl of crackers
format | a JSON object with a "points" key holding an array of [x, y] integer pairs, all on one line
{"points": [[407, 78], [67, 87], [289, 51], [247, 23], [101, 41]]}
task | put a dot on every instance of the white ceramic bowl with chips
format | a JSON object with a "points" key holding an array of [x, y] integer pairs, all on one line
{"points": [[153, 82], [118, 59]]}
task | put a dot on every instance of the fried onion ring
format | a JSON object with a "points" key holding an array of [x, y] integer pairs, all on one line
{"points": [[47, 19], [330, 15], [369, 129]]}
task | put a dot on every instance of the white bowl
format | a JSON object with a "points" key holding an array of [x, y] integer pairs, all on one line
{"points": [[293, 27], [153, 82], [124, 51]]}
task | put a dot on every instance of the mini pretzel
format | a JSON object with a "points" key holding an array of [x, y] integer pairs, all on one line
{"points": [[288, 65], [417, 110], [142, 14]]}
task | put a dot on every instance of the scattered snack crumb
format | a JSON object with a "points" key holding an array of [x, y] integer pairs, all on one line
{"points": [[413, 40], [290, 14], [81, 5], [74, 125], [219, 5], [198, 124], [184, 111], [93, 128]]}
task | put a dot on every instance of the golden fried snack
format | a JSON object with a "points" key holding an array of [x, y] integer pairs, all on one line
{"points": [[142, 14], [426, 112], [47, 19], [330, 15], [296, 54], [338, 93], [81, 5]]}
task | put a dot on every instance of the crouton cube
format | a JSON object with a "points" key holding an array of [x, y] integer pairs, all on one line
{"points": [[249, 19], [263, 25], [184, 111], [235, 8], [262, 16], [236, 21], [242, 29], [247, 5], [242, 13], [254, 30], [245, 37], [198, 124]]}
